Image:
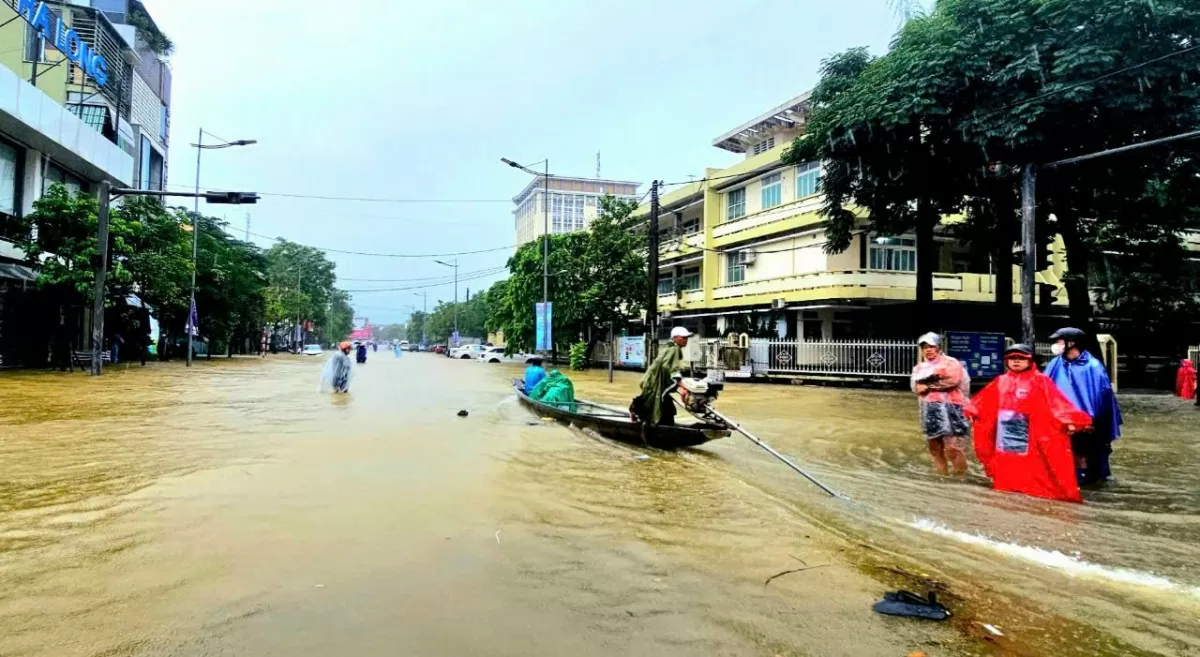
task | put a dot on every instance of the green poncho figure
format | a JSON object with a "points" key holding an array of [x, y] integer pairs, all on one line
{"points": [[653, 406]]}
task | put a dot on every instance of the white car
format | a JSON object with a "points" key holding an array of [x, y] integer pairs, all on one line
{"points": [[467, 351], [312, 350], [496, 355]]}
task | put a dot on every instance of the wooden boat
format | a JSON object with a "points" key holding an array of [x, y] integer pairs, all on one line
{"points": [[616, 424]]}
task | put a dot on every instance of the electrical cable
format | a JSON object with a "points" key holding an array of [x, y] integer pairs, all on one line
{"points": [[361, 199], [461, 279], [384, 255]]}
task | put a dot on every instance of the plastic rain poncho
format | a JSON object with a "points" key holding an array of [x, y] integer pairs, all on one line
{"points": [[1021, 437], [653, 405], [942, 403], [1085, 382], [336, 376], [1185, 380]]}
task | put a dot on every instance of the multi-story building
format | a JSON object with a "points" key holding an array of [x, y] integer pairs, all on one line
{"points": [[747, 244], [574, 203], [83, 96]]}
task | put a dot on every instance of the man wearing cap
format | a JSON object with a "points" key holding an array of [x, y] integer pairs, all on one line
{"points": [[942, 385], [1022, 430], [1083, 379], [653, 406]]}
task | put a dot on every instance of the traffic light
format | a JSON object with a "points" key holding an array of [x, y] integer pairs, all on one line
{"points": [[231, 198]]}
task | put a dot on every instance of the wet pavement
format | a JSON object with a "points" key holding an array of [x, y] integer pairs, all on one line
{"points": [[233, 510]]}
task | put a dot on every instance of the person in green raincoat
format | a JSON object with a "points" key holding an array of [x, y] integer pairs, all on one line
{"points": [[653, 406]]}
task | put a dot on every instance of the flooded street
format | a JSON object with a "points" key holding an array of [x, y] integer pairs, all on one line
{"points": [[233, 510]]}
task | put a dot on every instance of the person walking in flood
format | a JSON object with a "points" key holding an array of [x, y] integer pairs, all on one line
{"points": [[360, 354], [942, 384], [1023, 427], [336, 376], [654, 405], [1082, 378]]}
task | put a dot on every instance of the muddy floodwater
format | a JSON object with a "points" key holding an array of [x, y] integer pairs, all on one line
{"points": [[231, 509]]}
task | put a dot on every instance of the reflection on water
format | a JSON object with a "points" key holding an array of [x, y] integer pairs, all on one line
{"points": [[230, 509]]}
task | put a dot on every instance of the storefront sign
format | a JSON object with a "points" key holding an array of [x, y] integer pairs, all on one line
{"points": [[981, 353], [64, 39]]}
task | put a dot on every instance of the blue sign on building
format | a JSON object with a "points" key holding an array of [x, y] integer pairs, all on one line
{"points": [[545, 318], [981, 353], [64, 39]]}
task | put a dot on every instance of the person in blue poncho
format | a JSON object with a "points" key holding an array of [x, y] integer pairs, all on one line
{"points": [[1083, 379], [534, 374]]}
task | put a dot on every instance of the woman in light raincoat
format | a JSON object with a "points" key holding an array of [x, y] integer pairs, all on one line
{"points": [[942, 385], [336, 377]]}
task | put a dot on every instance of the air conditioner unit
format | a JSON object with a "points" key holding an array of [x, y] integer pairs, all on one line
{"points": [[747, 257], [778, 304]]}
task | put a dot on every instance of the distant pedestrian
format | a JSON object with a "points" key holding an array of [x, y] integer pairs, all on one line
{"points": [[1185, 380], [115, 347], [942, 385], [336, 376], [360, 354], [1082, 378]]}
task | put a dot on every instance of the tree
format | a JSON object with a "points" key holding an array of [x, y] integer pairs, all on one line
{"points": [[417, 325], [597, 276], [301, 288], [389, 332]]}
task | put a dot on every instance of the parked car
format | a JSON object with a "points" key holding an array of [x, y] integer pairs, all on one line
{"points": [[496, 355], [439, 349], [415, 346], [467, 351], [312, 350], [199, 347], [404, 345]]}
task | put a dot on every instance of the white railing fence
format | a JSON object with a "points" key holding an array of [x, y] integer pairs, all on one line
{"points": [[859, 358]]}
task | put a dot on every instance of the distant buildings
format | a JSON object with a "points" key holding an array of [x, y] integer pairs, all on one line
{"points": [[574, 203]]}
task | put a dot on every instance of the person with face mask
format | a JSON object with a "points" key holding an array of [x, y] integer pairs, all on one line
{"points": [[1022, 431], [1083, 379], [942, 385]]}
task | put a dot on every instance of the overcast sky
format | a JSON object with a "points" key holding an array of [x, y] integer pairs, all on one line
{"points": [[402, 100]]}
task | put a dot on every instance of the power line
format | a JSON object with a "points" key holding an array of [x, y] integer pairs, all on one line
{"points": [[479, 275], [425, 279], [363, 199], [388, 255]]}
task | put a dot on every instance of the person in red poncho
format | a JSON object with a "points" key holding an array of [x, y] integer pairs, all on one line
{"points": [[1023, 427], [1185, 380]]}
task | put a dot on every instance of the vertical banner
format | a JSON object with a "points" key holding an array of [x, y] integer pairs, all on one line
{"points": [[544, 318]]}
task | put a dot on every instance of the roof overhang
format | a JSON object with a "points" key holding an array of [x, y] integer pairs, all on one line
{"points": [[790, 115]]}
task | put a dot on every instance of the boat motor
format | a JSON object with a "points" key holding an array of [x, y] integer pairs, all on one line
{"points": [[698, 394]]}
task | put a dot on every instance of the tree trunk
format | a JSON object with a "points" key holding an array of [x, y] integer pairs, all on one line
{"points": [[926, 262], [1076, 279]]}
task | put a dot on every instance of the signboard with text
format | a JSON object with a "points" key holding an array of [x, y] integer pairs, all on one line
{"points": [[981, 353], [544, 319], [632, 350]]}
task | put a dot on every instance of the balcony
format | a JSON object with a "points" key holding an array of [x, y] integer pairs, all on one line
{"points": [[681, 300], [788, 216], [860, 284], [681, 245]]}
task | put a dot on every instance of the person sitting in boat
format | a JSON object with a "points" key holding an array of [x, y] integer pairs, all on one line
{"points": [[534, 373], [654, 405]]}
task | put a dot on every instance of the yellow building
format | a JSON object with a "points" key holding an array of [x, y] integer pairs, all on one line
{"points": [[747, 244], [574, 203]]}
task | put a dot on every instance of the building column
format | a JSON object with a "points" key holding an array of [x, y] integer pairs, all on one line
{"points": [[31, 181], [826, 315]]}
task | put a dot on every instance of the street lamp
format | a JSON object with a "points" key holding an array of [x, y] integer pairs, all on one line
{"points": [[200, 147], [455, 266], [545, 175]]}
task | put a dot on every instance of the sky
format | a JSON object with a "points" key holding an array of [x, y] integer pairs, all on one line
{"points": [[419, 101]]}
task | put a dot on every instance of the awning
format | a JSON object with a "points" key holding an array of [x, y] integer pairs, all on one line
{"points": [[17, 272]]}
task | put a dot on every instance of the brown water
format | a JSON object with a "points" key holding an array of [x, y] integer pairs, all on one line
{"points": [[233, 510]]}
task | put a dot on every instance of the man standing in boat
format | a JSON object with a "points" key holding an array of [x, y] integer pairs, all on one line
{"points": [[654, 406]]}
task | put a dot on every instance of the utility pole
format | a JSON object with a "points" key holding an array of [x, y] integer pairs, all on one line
{"points": [[1028, 251], [546, 237], [652, 263], [101, 274], [455, 266]]}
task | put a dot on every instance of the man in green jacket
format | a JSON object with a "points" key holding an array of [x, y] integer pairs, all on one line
{"points": [[653, 406]]}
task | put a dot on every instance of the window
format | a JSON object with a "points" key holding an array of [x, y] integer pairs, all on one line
{"points": [[55, 174], [666, 284], [764, 145], [690, 226], [894, 254], [690, 278], [10, 174], [772, 190], [566, 212], [735, 269], [144, 165], [736, 204], [808, 176], [164, 123]]}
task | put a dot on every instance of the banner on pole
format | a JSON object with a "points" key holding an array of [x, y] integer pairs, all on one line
{"points": [[193, 323], [545, 319]]}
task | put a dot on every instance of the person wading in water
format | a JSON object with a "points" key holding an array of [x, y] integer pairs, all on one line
{"points": [[942, 385]]}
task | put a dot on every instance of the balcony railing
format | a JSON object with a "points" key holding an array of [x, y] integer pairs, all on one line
{"points": [[804, 206], [950, 285]]}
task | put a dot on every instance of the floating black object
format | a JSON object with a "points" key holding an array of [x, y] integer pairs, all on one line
{"points": [[911, 605], [462, 413]]}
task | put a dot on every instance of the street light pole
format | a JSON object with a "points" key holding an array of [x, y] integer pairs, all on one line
{"points": [[424, 312], [455, 266], [545, 229], [200, 148]]}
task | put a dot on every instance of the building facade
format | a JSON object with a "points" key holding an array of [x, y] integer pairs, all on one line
{"points": [[78, 115], [746, 247], [573, 204]]}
